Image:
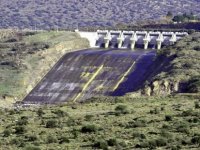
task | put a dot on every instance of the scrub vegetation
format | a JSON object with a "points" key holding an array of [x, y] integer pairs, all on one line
{"points": [[176, 68], [105, 123], [51, 14]]}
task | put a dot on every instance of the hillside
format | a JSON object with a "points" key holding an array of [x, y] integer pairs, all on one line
{"points": [[70, 13], [105, 123], [176, 68], [25, 57]]}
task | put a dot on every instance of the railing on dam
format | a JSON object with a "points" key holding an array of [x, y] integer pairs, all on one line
{"points": [[131, 39]]}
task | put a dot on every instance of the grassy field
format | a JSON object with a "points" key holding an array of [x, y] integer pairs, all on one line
{"points": [[26, 57], [105, 123]]}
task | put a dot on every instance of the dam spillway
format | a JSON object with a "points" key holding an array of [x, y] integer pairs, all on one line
{"points": [[131, 39], [83, 74]]}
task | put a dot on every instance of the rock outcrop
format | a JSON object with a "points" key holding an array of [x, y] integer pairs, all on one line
{"points": [[161, 88]]}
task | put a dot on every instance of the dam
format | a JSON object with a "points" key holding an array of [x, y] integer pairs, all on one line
{"points": [[89, 73], [97, 71], [131, 39]]}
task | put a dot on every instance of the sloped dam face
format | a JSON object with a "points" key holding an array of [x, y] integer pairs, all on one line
{"points": [[87, 73]]}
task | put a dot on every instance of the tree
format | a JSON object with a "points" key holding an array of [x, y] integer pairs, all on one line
{"points": [[169, 14]]}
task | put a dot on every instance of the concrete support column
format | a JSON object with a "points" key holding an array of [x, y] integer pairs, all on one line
{"points": [[173, 39], [146, 44], [133, 44], [159, 44], [119, 41], [106, 41], [146, 40]]}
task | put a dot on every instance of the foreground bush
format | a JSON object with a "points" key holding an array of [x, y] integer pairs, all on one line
{"points": [[7, 132], [52, 139], [89, 129], [121, 109], [102, 144], [194, 85], [51, 123]]}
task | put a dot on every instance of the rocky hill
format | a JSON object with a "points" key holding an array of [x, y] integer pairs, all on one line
{"points": [[70, 13]]}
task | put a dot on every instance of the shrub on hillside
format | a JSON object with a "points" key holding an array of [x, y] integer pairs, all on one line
{"points": [[52, 123], [18, 142], [22, 121], [136, 124], [63, 139], [196, 105], [52, 139], [32, 148], [31, 138], [152, 144], [138, 135], [60, 113], [194, 85], [196, 140], [168, 118], [121, 109], [20, 130], [89, 128], [88, 117], [154, 111], [102, 144], [197, 48], [7, 132], [112, 142], [40, 112], [183, 128]]}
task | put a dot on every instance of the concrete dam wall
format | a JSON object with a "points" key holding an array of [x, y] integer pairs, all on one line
{"points": [[87, 73], [131, 39]]}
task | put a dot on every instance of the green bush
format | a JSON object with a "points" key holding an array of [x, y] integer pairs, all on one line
{"points": [[32, 148], [173, 147], [7, 132], [196, 105], [52, 123], [31, 138], [88, 117], [52, 139], [121, 109], [196, 140], [168, 118], [71, 122], [60, 113], [20, 130], [139, 135], [194, 85], [166, 134], [154, 111], [161, 142], [102, 144], [136, 124], [18, 142], [89, 128], [183, 128], [75, 133], [22, 122], [40, 112], [187, 113], [112, 142], [197, 48], [63, 139]]}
